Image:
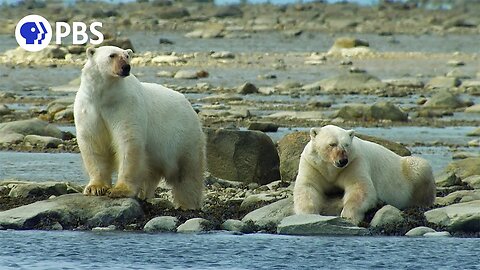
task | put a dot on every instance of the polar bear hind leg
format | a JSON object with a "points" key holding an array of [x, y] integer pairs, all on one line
{"points": [[419, 173]]}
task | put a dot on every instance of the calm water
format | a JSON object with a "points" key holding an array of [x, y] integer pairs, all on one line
{"points": [[119, 250]]}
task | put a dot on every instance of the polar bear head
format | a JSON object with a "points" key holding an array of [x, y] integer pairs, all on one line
{"points": [[333, 144], [109, 61]]}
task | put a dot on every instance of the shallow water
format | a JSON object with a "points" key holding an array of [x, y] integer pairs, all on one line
{"points": [[115, 250]]}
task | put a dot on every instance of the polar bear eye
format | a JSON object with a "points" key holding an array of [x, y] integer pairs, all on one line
{"points": [[333, 144], [112, 55]]}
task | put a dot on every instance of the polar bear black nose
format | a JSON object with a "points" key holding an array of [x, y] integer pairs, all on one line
{"points": [[342, 162], [126, 70]]}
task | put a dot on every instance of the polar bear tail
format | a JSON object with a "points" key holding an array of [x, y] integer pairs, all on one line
{"points": [[419, 174]]}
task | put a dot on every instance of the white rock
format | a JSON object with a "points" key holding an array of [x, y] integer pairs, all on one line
{"points": [[419, 231]]}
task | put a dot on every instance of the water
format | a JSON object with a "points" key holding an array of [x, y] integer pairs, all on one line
{"points": [[115, 250]]}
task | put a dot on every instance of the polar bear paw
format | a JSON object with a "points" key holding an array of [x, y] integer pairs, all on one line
{"points": [[352, 215], [96, 190], [121, 190]]}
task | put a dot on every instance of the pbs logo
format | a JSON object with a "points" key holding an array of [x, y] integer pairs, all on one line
{"points": [[33, 33]]}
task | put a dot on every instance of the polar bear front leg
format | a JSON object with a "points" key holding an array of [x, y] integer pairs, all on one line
{"points": [[307, 199], [99, 166], [359, 197], [131, 156]]}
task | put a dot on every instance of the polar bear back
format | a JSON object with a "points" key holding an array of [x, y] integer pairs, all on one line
{"points": [[385, 171]]}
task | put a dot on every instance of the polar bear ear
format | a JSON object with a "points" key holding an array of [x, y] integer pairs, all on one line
{"points": [[90, 52], [130, 53], [351, 133], [314, 132]]}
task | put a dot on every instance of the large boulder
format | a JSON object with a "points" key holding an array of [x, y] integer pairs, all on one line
{"points": [[72, 210], [443, 82], [290, 148], [351, 82], [387, 215], [195, 225], [457, 217], [318, 225], [445, 99], [377, 111], [31, 127], [272, 214], [20, 189], [245, 156], [161, 224], [464, 168]]}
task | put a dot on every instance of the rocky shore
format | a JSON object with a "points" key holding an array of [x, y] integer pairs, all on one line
{"points": [[259, 103]]}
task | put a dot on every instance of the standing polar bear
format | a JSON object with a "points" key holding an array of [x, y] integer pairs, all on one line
{"points": [[144, 131], [367, 173]]}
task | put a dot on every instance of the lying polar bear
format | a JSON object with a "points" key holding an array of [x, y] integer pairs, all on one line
{"points": [[143, 130], [366, 172]]}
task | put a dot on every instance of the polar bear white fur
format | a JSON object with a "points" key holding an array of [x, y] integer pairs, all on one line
{"points": [[144, 131], [366, 172]]}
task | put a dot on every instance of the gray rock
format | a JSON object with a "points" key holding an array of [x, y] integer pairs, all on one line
{"points": [[45, 141], [65, 115], [459, 196], [71, 210], [210, 31], [419, 231], [465, 167], [318, 225], [271, 214], [228, 11], [257, 199], [60, 104], [31, 127], [447, 179], [437, 234], [387, 215], [263, 126], [443, 82], [473, 109], [31, 190], [247, 88], [195, 225], [4, 110], [161, 224], [186, 74], [223, 55], [233, 225], [288, 85], [351, 82], [457, 217], [10, 138], [405, 82], [246, 156], [377, 111], [473, 181], [475, 132], [444, 99]]}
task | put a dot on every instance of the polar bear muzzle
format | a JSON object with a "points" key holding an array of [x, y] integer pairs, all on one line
{"points": [[121, 65]]}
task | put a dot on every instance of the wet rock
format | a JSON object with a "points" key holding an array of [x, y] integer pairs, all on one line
{"points": [[377, 111], [419, 231], [64, 115], [31, 190], [447, 179], [71, 211], [172, 12], [465, 167], [475, 132], [121, 42], [247, 88], [228, 11], [473, 109], [272, 214], [233, 225], [387, 215], [437, 234], [443, 82], [318, 225], [31, 127], [349, 47], [263, 126], [223, 55], [457, 217], [351, 82], [210, 31], [459, 196], [4, 110], [161, 224], [445, 99], [257, 199], [43, 141], [246, 156], [472, 181], [195, 225], [290, 148]]}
